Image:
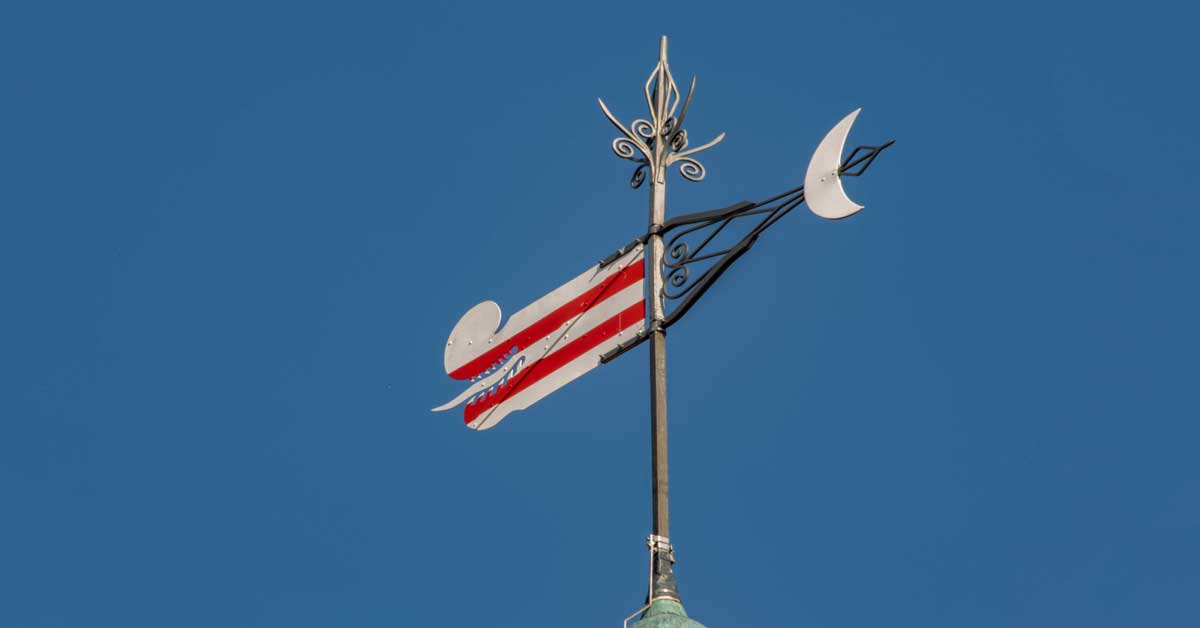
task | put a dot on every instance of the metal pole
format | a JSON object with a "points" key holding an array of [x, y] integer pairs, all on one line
{"points": [[655, 145], [662, 579]]}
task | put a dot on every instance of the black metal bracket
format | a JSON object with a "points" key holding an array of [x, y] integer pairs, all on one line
{"points": [[612, 354], [616, 255], [678, 285]]}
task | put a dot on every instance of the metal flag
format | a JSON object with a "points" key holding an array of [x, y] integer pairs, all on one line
{"points": [[546, 344]]}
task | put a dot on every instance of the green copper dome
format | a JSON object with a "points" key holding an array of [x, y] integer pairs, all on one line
{"points": [[666, 614]]}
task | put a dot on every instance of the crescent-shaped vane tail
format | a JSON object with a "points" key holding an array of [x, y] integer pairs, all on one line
{"points": [[823, 181]]}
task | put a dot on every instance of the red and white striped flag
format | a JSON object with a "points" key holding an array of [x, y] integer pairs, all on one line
{"points": [[545, 345]]}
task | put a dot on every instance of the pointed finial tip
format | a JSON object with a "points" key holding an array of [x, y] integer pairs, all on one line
{"points": [[662, 48]]}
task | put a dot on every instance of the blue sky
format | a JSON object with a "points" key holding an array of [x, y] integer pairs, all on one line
{"points": [[233, 238]]}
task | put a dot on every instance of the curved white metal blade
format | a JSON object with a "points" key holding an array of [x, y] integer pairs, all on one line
{"points": [[474, 327], [822, 186]]}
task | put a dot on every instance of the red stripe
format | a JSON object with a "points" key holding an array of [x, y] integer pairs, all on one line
{"points": [[551, 363], [552, 321]]}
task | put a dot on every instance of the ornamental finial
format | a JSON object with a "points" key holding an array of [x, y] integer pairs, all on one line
{"points": [[660, 142]]}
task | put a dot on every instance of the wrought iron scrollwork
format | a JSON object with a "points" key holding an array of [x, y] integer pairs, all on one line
{"points": [[694, 242], [660, 142], [698, 246]]}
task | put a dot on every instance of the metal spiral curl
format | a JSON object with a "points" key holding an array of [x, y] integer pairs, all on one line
{"points": [[678, 255], [643, 128], [675, 263], [679, 141], [639, 176], [625, 148], [677, 278], [691, 169]]}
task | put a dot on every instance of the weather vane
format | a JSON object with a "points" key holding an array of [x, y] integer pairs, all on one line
{"points": [[634, 294]]}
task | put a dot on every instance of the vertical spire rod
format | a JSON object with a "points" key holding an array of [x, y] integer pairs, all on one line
{"points": [[662, 579], [656, 145]]}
